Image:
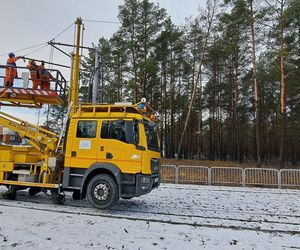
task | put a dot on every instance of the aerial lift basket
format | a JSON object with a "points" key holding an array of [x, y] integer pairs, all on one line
{"points": [[23, 95]]}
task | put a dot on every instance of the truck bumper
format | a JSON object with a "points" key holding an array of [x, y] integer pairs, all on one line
{"points": [[143, 184]]}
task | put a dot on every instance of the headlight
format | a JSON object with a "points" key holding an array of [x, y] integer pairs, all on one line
{"points": [[154, 166], [145, 180]]}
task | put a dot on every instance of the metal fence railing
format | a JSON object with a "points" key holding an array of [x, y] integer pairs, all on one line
{"points": [[190, 174], [262, 177], [289, 178], [221, 175], [169, 173]]}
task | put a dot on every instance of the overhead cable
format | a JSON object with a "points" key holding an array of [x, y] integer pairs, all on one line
{"points": [[50, 63], [62, 32], [69, 45], [31, 47], [36, 50], [100, 21], [38, 45]]}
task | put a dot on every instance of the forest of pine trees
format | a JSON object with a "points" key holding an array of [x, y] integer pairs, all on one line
{"points": [[225, 82]]}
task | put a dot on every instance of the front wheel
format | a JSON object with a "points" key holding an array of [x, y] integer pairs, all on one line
{"points": [[102, 191]]}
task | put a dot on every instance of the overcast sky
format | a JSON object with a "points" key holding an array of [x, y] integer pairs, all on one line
{"points": [[32, 22]]}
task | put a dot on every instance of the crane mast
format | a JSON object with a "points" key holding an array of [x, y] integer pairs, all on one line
{"points": [[73, 96]]}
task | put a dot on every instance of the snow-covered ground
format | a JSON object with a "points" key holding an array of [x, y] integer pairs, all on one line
{"points": [[172, 217]]}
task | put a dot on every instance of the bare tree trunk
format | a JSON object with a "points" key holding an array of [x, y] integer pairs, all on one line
{"points": [[255, 84], [133, 54], [200, 127], [235, 110], [292, 144], [210, 14], [282, 92], [232, 120], [172, 108]]}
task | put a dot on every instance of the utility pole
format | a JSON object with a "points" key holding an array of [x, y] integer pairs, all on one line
{"points": [[73, 96], [96, 79]]}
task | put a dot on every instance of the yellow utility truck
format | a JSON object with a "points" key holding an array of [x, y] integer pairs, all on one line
{"points": [[105, 152]]}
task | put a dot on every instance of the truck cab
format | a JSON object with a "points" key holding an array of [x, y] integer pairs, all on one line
{"points": [[111, 152]]}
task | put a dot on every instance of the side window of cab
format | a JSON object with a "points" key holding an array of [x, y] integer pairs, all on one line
{"points": [[86, 129], [124, 131]]}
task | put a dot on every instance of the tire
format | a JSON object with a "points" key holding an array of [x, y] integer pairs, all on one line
{"points": [[102, 191]]}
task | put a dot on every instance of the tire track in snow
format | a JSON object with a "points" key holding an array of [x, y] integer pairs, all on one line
{"points": [[60, 209], [248, 189], [292, 232], [25, 198]]}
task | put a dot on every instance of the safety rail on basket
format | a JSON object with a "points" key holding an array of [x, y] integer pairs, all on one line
{"points": [[29, 89]]}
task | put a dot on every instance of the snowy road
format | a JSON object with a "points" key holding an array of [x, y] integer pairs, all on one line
{"points": [[172, 217]]}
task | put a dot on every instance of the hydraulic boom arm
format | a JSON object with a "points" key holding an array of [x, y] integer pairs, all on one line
{"points": [[41, 139]]}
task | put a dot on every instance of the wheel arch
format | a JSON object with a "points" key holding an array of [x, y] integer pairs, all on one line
{"points": [[100, 168]]}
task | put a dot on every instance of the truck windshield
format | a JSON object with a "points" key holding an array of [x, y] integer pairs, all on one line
{"points": [[152, 137]]}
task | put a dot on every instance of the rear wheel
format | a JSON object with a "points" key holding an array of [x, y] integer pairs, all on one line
{"points": [[102, 191]]}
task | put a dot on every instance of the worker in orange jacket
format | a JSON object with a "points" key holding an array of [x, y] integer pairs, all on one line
{"points": [[45, 77], [34, 73], [10, 72]]}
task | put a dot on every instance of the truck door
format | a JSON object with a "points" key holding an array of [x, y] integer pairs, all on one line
{"points": [[101, 156], [121, 137], [84, 148]]}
